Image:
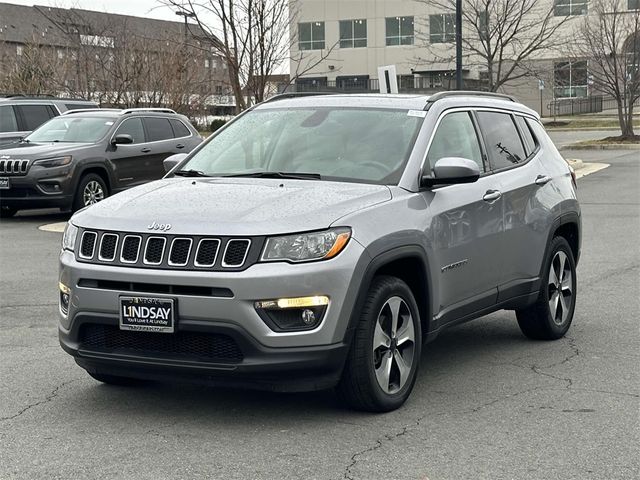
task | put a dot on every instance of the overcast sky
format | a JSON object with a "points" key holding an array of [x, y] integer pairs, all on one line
{"points": [[139, 8]]}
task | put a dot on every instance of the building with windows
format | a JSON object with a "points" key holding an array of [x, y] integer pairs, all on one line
{"points": [[117, 60], [339, 44]]}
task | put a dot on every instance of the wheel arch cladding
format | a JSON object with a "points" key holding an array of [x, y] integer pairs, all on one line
{"points": [[571, 234], [100, 171], [408, 263]]}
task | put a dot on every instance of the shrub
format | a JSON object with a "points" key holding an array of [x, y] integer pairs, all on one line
{"points": [[216, 124]]}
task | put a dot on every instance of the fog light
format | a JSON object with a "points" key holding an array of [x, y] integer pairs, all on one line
{"points": [[291, 314], [65, 298]]}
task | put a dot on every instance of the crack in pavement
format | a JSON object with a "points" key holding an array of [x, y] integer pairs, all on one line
{"points": [[47, 399]]}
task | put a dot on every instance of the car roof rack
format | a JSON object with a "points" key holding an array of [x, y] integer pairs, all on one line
{"points": [[84, 110], [284, 96], [150, 109], [466, 93]]}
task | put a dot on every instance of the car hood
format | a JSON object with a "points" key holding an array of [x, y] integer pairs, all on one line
{"points": [[231, 206], [32, 151]]}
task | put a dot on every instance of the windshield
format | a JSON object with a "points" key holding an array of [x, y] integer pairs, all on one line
{"points": [[72, 129], [350, 144]]}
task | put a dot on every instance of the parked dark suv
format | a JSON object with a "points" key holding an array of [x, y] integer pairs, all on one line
{"points": [[81, 157], [320, 242], [20, 115]]}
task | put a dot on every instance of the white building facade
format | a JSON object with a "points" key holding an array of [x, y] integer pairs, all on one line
{"points": [[339, 44]]}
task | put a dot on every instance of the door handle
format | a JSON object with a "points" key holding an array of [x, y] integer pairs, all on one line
{"points": [[492, 196], [180, 145], [542, 180], [145, 150]]}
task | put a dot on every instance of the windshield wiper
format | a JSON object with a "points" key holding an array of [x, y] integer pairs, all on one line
{"points": [[292, 175], [190, 173]]}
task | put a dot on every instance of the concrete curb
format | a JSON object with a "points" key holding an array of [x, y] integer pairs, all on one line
{"points": [[53, 227], [575, 163], [608, 146], [582, 129]]}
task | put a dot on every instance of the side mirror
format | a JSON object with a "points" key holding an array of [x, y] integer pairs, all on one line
{"points": [[452, 170], [122, 139], [173, 160]]}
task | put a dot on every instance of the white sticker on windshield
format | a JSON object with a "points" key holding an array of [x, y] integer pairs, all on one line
{"points": [[108, 123], [417, 113]]}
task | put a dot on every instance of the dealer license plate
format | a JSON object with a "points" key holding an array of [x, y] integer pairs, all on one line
{"points": [[147, 314]]}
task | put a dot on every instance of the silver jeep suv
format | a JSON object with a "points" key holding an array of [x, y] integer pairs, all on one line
{"points": [[322, 241]]}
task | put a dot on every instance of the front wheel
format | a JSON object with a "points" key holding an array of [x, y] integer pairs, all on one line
{"points": [[382, 364], [550, 317], [91, 189]]}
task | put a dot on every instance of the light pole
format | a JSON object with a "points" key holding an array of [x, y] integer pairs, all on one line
{"points": [[185, 14], [458, 44]]}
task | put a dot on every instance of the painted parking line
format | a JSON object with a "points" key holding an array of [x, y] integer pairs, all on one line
{"points": [[589, 168], [53, 227]]}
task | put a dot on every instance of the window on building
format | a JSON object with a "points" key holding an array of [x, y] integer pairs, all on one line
{"points": [[504, 146], [442, 28], [60, 54], [570, 79], [218, 89], [311, 36], [399, 30], [633, 4], [206, 63], [19, 50], [563, 8], [97, 41], [483, 25], [353, 33]]}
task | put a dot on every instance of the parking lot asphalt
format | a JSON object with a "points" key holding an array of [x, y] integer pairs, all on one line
{"points": [[488, 404]]}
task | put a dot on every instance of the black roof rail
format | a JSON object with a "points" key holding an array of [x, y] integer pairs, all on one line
{"points": [[283, 96], [467, 93], [26, 96]]}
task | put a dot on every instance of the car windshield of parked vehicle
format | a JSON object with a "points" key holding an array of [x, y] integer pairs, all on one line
{"points": [[344, 144], [71, 129]]}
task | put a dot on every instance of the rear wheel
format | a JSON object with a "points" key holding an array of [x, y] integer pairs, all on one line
{"points": [[550, 317], [115, 380], [91, 189], [383, 360], [7, 212]]}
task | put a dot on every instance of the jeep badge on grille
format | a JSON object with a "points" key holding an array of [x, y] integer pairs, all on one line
{"points": [[163, 227]]}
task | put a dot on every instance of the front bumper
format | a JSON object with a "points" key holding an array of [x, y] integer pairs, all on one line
{"points": [[39, 188], [292, 361]]}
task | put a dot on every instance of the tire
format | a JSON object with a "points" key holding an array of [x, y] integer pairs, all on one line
{"points": [[7, 212], [363, 386], [115, 380], [549, 319], [91, 189]]}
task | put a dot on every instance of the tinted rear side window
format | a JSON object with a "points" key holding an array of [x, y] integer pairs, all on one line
{"points": [[502, 139], [179, 129], [35, 115], [158, 129], [8, 121], [529, 141], [78, 106]]}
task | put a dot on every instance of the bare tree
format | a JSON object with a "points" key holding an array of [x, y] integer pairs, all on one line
{"points": [[501, 37], [609, 38], [33, 72]]}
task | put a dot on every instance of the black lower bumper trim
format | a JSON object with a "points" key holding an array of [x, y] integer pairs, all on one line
{"points": [[259, 367]]}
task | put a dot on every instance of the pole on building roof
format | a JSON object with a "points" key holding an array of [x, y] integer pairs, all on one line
{"points": [[459, 85]]}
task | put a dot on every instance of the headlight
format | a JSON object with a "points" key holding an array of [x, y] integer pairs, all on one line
{"points": [[69, 237], [54, 162], [306, 246]]}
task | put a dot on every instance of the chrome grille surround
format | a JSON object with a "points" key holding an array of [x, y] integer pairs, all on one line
{"points": [[14, 166], [108, 237], [233, 243], [168, 251], [146, 250]]}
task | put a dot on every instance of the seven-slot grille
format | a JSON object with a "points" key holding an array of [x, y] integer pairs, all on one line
{"points": [[166, 251], [14, 167]]}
